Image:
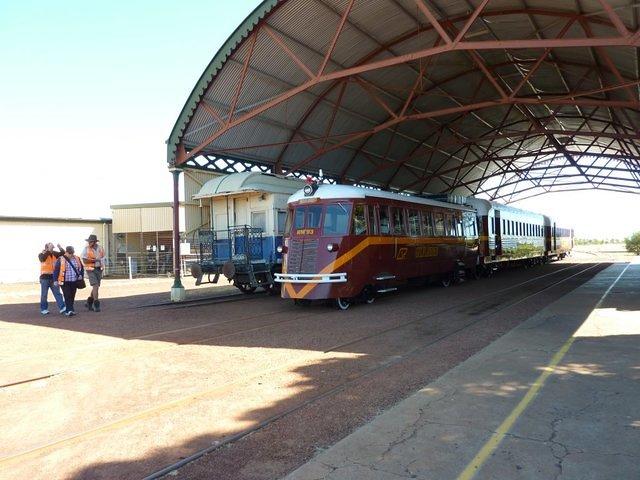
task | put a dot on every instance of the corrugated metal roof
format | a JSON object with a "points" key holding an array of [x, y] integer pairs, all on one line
{"points": [[446, 117], [249, 182]]}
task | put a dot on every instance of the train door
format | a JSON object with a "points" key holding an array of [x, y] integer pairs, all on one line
{"points": [[240, 211], [498, 234], [553, 237]]}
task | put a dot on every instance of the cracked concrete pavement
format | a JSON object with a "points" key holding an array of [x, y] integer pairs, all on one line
{"points": [[583, 424]]}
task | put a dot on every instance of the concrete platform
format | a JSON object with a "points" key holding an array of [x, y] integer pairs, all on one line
{"points": [[557, 397]]}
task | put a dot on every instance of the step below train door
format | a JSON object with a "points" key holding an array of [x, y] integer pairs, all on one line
{"points": [[498, 234]]}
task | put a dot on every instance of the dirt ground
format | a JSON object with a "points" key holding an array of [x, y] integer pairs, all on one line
{"points": [[127, 391]]}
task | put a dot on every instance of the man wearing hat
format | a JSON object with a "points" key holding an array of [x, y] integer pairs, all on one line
{"points": [[93, 260]]}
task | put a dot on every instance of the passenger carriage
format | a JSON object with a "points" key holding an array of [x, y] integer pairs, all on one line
{"points": [[247, 214], [346, 243]]}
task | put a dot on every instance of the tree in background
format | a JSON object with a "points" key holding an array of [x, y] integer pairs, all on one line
{"points": [[633, 243]]}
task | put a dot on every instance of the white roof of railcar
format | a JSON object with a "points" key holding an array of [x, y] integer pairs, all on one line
{"points": [[245, 182], [328, 192], [484, 206]]}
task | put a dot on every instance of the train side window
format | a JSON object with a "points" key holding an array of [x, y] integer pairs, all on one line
{"points": [[504, 227], [336, 219], [427, 223], [398, 221], [288, 222], [384, 220], [458, 221], [469, 224], [299, 218], [282, 222], [439, 224], [259, 220], [449, 225], [414, 223], [373, 223], [313, 216], [359, 220]]}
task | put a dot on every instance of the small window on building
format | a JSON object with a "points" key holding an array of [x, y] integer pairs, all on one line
{"points": [[385, 228], [427, 224], [336, 219], [259, 220], [359, 220], [414, 223]]}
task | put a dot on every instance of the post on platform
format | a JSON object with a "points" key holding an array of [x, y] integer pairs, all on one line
{"points": [[178, 293]]}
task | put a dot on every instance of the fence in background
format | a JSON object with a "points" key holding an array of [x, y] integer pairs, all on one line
{"points": [[137, 265]]}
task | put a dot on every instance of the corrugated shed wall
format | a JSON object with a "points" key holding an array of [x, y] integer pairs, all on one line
{"points": [[145, 219], [25, 239]]}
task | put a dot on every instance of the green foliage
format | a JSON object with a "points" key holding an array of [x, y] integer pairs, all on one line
{"points": [[633, 243], [596, 241]]}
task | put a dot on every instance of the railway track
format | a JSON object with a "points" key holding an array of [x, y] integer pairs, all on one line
{"points": [[198, 302], [205, 302], [394, 360]]}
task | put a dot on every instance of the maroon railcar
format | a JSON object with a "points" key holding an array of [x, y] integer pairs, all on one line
{"points": [[346, 243]]}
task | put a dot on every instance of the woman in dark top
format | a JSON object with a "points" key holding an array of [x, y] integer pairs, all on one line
{"points": [[67, 272]]}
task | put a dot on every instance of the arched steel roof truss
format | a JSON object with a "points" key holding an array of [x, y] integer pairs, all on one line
{"points": [[500, 98]]}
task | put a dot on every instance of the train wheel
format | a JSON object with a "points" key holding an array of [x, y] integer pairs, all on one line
{"points": [[245, 288], [445, 281], [369, 295], [342, 303]]}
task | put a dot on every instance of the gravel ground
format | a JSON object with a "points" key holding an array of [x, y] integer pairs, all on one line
{"points": [[128, 391]]}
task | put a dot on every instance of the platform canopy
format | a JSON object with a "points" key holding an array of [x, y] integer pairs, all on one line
{"points": [[505, 99]]}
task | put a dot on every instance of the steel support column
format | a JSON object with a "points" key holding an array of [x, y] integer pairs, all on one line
{"points": [[178, 293]]}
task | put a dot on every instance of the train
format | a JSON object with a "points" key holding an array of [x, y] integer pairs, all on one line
{"points": [[246, 219], [347, 243]]}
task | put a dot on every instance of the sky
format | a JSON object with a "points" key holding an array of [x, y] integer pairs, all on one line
{"points": [[89, 92]]}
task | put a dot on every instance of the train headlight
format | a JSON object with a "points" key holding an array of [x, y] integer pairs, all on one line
{"points": [[281, 249], [332, 247], [309, 189]]}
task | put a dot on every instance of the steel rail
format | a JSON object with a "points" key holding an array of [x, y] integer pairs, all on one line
{"points": [[444, 310], [341, 387]]}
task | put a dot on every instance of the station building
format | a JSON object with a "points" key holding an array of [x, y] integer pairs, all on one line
{"points": [[22, 238]]}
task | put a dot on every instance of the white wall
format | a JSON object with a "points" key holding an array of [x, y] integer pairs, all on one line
{"points": [[21, 241]]}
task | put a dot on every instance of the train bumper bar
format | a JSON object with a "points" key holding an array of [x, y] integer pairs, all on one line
{"points": [[311, 277]]}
